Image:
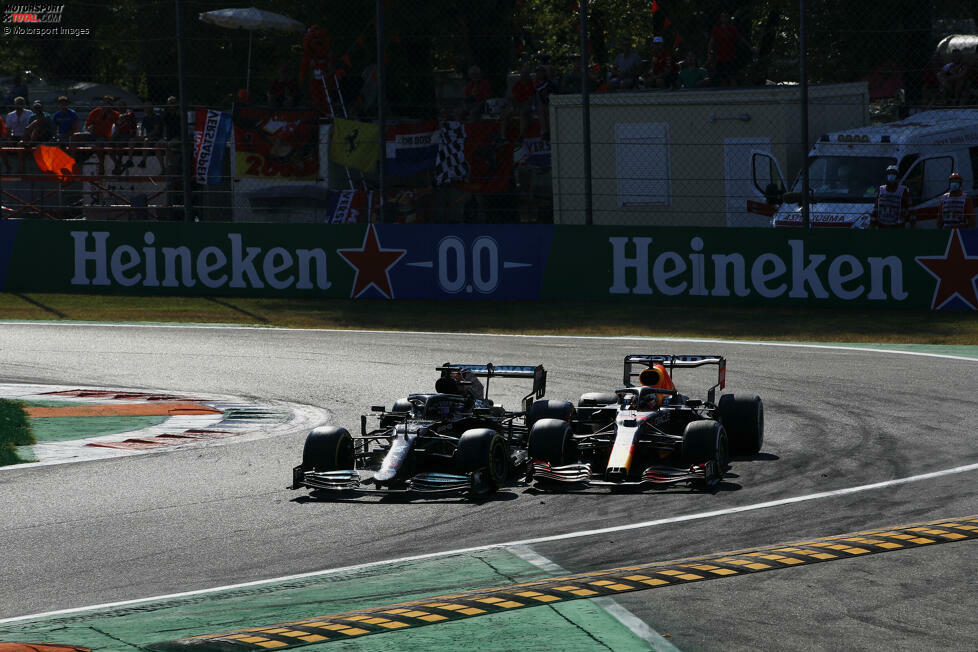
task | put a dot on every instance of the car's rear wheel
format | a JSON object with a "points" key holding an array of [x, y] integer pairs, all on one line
{"points": [[551, 440], [561, 410], [328, 448], [597, 399], [743, 419], [483, 449], [704, 442]]}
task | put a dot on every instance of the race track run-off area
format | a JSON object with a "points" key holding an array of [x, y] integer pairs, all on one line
{"points": [[865, 450]]}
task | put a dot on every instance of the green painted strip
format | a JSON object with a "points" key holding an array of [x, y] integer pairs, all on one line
{"points": [[67, 428], [578, 626], [511, 598]]}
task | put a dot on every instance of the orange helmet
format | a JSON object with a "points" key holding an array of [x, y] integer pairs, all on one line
{"points": [[656, 376]]}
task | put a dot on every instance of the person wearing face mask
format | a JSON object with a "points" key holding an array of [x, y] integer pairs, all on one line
{"points": [[892, 203], [957, 210]]}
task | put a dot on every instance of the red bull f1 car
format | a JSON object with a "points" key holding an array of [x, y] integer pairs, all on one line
{"points": [[644, 435], [453, 440]]}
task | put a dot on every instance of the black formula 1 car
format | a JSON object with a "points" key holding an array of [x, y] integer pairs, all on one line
{"points": [[453, 440], [644, 435]]}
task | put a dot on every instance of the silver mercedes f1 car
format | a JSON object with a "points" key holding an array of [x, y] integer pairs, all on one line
{"points": [[452, 440]]}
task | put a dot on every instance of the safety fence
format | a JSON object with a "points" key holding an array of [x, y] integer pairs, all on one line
{"points": [[635, 266], [518, 111]]}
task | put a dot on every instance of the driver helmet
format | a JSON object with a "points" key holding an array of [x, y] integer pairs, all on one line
{"points": [[656, 376], [892, 174]]}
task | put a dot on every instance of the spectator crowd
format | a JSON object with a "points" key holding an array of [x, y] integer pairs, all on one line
{"points": [[110, 131]]}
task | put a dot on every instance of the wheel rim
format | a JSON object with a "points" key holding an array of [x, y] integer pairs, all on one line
{"points": [[497, 461], [723, 452]]}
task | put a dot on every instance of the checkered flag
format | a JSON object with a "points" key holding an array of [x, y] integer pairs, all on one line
{"points": [[450, 164]]}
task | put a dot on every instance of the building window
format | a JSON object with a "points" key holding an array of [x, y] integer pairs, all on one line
{"points": [[642, 164]]}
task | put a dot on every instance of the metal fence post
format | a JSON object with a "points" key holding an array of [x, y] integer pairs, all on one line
{"points": [[185, 157], [586, 113], [803, 57], [381, 115]]}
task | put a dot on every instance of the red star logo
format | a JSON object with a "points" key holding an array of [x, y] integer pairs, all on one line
{"points": [[955, 272], [372, 264]]}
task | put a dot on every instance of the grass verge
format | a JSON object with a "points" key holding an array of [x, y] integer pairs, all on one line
{"points": [[605, 317], [15, 430]]}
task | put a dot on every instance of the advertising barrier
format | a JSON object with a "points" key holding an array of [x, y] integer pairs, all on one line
{"points": [[930, 269]]}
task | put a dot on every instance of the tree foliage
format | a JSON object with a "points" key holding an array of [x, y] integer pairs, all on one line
{"points": [[133, 41]]}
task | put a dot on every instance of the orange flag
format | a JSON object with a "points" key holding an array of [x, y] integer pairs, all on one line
{"points": [[56, 161]]}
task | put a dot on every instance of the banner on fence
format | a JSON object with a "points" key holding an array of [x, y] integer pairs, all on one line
{"points": [[927, 269], [212, 129], [276, 144], [351, 206], [474, 156], [355, 144], [411, 147]]}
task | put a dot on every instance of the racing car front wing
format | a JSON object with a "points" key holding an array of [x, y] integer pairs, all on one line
{"points": [[580, 474], [350, 480]]}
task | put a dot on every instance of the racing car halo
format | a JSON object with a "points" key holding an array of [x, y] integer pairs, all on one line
{"points": [[645, 435], [453, 440]]}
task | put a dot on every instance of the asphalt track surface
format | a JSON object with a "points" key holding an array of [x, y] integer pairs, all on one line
{"points": [[111, 530]]}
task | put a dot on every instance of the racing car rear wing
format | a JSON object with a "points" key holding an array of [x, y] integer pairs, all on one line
{"points": [[671, 362], [489, 371]]}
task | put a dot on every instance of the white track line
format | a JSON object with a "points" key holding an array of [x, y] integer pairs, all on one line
{"points": [[527, 542], [621, 338], [634, 624]]}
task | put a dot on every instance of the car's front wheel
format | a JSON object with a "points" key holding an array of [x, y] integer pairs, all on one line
{"points": [[482, 449], [705, 442], [328, 448], [550, 441]]}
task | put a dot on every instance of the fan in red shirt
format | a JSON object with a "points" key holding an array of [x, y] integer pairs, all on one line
{"points": [[521, 102], [662, 67], [99, 125], [724, 40], [101, 119], [124, 135], [476, 92]]}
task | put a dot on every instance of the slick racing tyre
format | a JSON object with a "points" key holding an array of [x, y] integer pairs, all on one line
{"points": [[328, 448], [562, 410], [483, 449], [551, 440], [706, 441], [597, 399], [743, 419]]}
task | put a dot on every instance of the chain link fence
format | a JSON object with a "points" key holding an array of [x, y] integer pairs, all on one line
{"points": [[473, 111]]}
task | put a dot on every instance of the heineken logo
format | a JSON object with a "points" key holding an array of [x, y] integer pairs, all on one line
{"points": [[796, 272], [236, 265]]}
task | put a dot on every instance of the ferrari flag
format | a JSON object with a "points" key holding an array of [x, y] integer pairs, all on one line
{"points": [[355, 144], [212, 129]]}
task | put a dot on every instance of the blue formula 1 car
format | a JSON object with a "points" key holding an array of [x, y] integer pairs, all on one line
{"points": [[644, 435], [453, 440]]}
